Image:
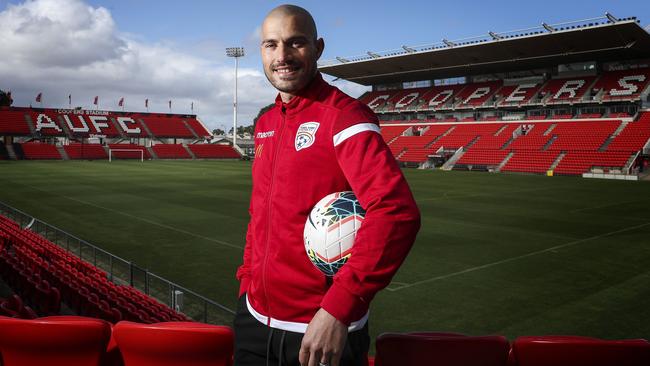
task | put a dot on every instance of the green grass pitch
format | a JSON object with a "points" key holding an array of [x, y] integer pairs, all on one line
{"points": [[497, 254]]}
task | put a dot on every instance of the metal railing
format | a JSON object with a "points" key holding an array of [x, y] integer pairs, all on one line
{"points": [[123, 272]]}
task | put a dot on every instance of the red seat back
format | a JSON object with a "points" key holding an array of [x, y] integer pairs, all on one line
{"points": [[174, 343], [579, 351], [53, 341], [440, 349]]}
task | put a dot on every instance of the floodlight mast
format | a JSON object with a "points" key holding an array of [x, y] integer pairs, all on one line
{"points": [[235, 52]]}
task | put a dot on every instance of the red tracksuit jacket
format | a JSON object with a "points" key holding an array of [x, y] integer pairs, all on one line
{"points": [[321, 142]]}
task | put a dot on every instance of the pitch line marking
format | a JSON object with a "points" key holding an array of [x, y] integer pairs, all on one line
{"points": [[142, 219], [512, 259], [607, 205], [451, 195]]}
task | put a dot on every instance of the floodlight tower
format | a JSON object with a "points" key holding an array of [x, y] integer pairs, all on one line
{"points": [[235, 52]]}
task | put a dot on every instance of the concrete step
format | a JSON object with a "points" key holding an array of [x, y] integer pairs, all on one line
{"points": [[11, 152], [189, 151], [152, 153], [505, 161], [64, 154]]}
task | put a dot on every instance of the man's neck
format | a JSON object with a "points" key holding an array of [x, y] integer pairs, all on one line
{"points": [[286, 97]]}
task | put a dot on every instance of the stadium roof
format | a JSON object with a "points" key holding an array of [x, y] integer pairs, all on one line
{"points": [[601, 39]]}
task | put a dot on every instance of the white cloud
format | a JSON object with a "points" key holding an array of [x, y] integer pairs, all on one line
{"points": [[63, 47]]}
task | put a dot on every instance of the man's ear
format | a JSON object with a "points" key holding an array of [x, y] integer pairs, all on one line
{"points": [[320, 46]]}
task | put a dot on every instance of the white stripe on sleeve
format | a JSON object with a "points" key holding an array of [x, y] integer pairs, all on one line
{"points": [[353, 130]]}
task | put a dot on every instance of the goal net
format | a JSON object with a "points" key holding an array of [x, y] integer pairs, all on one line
{"points": [[125, 154]]}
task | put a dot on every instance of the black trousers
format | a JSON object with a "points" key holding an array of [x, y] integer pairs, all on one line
{"points": [[259, 345]]}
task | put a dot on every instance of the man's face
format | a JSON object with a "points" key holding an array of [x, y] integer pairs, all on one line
{"points": [[289, 53]]}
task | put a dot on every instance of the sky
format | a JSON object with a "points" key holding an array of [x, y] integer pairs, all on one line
{"points": [[175, 50]]}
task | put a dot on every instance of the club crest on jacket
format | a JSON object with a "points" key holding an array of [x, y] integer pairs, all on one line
{"points": [[306, 135]]}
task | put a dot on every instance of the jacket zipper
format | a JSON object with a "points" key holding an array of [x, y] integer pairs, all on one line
{"points": [[269, 221]]}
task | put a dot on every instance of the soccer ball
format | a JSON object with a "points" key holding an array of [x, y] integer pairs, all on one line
{"points": [[330, 230]]}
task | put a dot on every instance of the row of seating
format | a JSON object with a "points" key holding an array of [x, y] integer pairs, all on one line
{"points": [[74, 124], [40, 151], [620, 85], [510, 117], [452, 349], [83, 341], [605, 143], [69, 340], [28, 258], [14, 307]]}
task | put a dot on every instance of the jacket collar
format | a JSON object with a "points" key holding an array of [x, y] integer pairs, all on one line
{"points": [[304, 97]]}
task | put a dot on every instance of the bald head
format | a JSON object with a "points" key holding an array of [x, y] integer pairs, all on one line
{"points": [[299, 15], [290, 49]]}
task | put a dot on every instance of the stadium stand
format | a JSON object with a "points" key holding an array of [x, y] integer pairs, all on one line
{"points": [[46, 274], [171, 151], [578, 162], [634, 136], [531, 161], [403, 99], [517, 94], [13, 122], [439, 97], [37, 150], [81, 123], [198, 127], [208, 151], [626, 85], [167, 127], [474, 95], [567, 90], [85, 151]]}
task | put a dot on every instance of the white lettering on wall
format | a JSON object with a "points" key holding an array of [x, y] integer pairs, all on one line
{"points": [[407, 99], [99, 122], [628, 88], [379, 100], [478, 93], [570, 87], [123, 123], [43, 121], [445, 94], [519, 94], [83, 128]]}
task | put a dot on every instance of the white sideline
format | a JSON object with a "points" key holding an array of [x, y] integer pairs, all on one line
{"points": [[493, 264]]}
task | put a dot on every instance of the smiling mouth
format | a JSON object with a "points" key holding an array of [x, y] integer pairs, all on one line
{"points": [[286, 71]]}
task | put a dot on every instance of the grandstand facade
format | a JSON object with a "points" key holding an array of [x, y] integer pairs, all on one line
{"points": [[568, 99], [42, 133]]}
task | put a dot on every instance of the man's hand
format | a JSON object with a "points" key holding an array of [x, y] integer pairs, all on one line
{"points": [[324, 341]]}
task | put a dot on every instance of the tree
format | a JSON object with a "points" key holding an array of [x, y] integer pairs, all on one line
{"points": [[243, 129], [218, 131], [5, 99]]}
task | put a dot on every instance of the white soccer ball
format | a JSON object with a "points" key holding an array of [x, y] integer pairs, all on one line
{"points": [[330, 230]]}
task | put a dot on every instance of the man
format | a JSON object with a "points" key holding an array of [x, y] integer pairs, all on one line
{"points": [[315, 141]]}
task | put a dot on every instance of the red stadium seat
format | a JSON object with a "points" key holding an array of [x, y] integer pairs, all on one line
{"points": [[174, 343], [440, 349], [579, 351], [53, 341]]}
